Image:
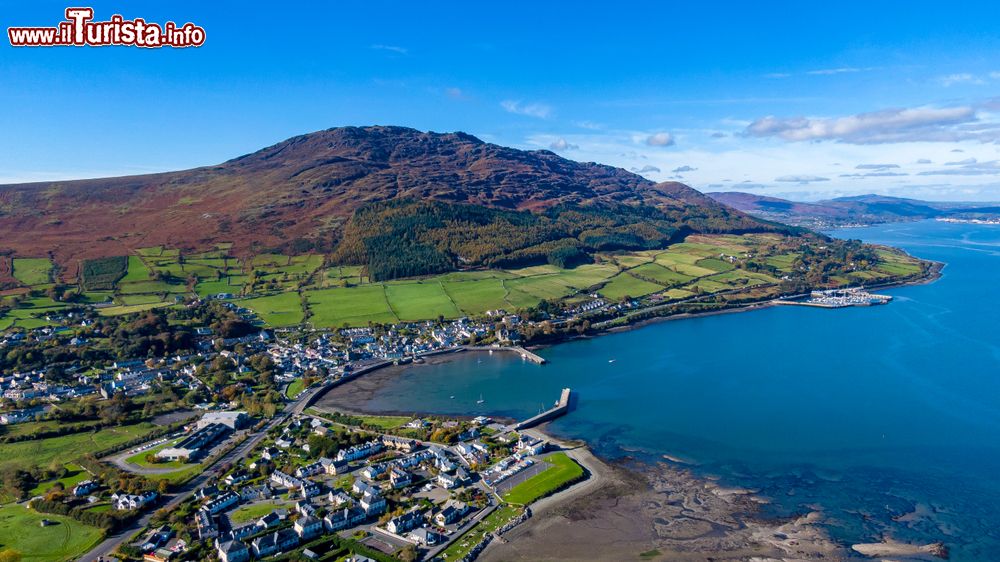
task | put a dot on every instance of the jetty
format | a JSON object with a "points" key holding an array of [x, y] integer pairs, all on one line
{"points": [[533, 357], [560, 408], [524, 353]]}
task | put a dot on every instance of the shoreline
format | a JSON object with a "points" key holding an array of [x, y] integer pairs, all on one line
{"points": [[620, 506]]}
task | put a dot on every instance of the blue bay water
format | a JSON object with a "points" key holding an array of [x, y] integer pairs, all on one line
{"points": [[886, 417]]}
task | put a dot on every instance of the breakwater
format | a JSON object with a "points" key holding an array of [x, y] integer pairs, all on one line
{"points": [[561, 408]]}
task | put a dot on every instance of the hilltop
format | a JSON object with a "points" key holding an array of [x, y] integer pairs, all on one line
{"points": [[438, 200]]}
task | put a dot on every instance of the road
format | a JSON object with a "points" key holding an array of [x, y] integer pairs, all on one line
{"points": [[112, 542]]}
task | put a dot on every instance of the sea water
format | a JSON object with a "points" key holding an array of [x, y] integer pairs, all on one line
{"points": [[886, 418]]}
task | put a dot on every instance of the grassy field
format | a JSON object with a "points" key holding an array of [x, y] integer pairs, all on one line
{"points": [[343, 295], [500, 517], [129, 309], [32, 271], [562, 471], [21, 530], [65, 448], [419, 301], [75, 476], [355, 306], [137, 271], [626, 285], [283, 309], [477, 296]]}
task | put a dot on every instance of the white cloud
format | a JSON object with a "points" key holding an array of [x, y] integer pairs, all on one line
{"points": [[645, 169], [959, 78], [840, 70], [660, 139], [886, 126], [682, 169], [539, 110], [391, 49], [455, 93], [882, 174], [970, 167], [561, 144], [875, 166], [801, 179]]}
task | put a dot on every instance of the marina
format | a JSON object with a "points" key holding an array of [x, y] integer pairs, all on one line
{"points": [[838, 298]]}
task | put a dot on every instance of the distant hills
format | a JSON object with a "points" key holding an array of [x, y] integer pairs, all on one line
{"points": [[856, 210], [401, 201]]}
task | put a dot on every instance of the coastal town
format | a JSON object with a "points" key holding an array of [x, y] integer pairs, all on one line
{"points": [[211, 441], [227, 483]]}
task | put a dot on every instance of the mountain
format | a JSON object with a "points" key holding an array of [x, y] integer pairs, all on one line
{"points": [[854, 210], [344, 190]]}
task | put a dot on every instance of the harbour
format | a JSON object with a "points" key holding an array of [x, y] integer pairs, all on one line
{"points": [[838, 298]]}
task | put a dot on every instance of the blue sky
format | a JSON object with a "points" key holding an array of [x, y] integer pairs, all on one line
{"points": [[785, 98]]}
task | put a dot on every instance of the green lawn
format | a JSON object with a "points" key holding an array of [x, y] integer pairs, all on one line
{"points": [[21, 530], [32, 271], [65, 448], [75, 476], [295, 388], [247, 513], [385, 422], [563, 470], [420, 301], [283, 309], [463, 544]]}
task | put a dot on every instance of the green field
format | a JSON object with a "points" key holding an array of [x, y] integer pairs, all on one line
{"points": [[130, 309], [419, 301], [355, 306], [562, 471], [32, 271], [283, 309], [625, 285], [137, 271], [21, 530], [148, 287], [214, 287], [660, 274], [65, 448], [476, 297]]}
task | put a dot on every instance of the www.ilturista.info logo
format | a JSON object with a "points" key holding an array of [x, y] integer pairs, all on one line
{"points": [[79, 30]]}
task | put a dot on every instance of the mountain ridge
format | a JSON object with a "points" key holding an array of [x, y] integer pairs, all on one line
{"points": [[850, 210], [303, 191]]}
